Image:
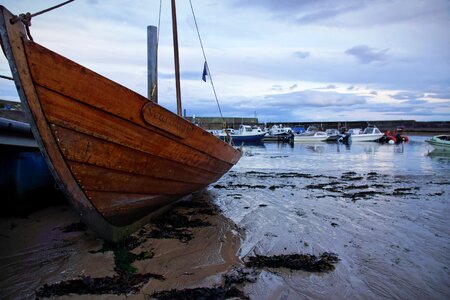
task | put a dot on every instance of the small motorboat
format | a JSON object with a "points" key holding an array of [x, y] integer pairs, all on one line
{"points": [[400, 136], [370, 134], [279, 133], [395, 136], [245, 134], [318, 136], [388, 137], [440, 142]]}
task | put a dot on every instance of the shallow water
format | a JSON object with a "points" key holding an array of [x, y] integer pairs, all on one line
{"points": [[382, 208]]}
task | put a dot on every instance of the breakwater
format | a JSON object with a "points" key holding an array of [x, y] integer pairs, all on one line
{"points": [[410, 126]]}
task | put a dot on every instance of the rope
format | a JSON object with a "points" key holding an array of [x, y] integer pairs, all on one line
{"points": [[26, 18], [6, 77], [159, 22], [157, 43], [16, 18], [206, 61]]}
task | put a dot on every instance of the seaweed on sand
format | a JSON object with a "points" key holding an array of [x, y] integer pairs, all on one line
{"points": [[305, 262], [175, 226], [119, 284], [201, 293]]}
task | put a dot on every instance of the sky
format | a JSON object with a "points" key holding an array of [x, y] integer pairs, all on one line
{"points": [[278, 60]]}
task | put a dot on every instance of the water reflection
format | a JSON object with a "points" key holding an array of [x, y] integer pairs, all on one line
{"points": [[440, 156], [399, 148], [372, 148], [314, 147]]}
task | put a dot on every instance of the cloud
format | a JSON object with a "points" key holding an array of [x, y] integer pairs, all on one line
{"points": [[328, 87], [314, 98], [440, 95], [305, 11], [301, 54], [407, 95], [366, 55]]}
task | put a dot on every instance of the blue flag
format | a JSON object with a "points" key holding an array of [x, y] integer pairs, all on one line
{"points": [[205, 72]]}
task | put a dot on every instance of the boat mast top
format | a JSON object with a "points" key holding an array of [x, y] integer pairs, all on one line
{"points": [[176, 58]]}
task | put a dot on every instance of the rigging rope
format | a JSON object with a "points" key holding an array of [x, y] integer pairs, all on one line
{"points": [[6, 77], [157, 44], [29, 16], [159, 22], [26, 18], [206, 61]]}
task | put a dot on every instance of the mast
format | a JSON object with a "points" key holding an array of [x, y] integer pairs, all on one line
{"points": [[176, 58], [152, 63]]}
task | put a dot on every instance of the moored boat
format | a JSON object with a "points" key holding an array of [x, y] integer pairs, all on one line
{"points": [[440, 142], [279, 133], [370, 134], [118, 157], [318, 136], [245, 134]]}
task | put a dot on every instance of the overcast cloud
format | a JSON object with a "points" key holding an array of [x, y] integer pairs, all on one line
{"points": [[279, 60]]}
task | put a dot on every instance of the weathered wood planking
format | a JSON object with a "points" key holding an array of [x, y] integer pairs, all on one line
{"points": [[100, 179], [61, 75], [83, 148], [65, 112], [121, 208]]}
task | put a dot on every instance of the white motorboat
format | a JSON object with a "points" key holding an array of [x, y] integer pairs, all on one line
{"points": [[440, 142], [245, 134], [279, 130], [370, 134], [318, 136]]}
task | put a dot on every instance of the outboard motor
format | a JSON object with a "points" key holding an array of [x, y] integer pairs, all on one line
{"points": [[345, 139]]}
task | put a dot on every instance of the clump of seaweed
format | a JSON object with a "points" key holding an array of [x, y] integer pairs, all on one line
{"points": [[119, 284], [175, 226], [305, 262], [201, 293]]}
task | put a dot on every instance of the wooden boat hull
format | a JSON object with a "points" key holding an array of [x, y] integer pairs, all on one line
{"points": [[117, 156]]}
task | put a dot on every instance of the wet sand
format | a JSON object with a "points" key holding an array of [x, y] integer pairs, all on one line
{"points": [[35, 251], [315, 232]]}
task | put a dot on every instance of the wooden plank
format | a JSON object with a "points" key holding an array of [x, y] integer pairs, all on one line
{"points": [[83, 148], [119, 208], [101, 179], [68, 78], [63, 111], [160, 117]]}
